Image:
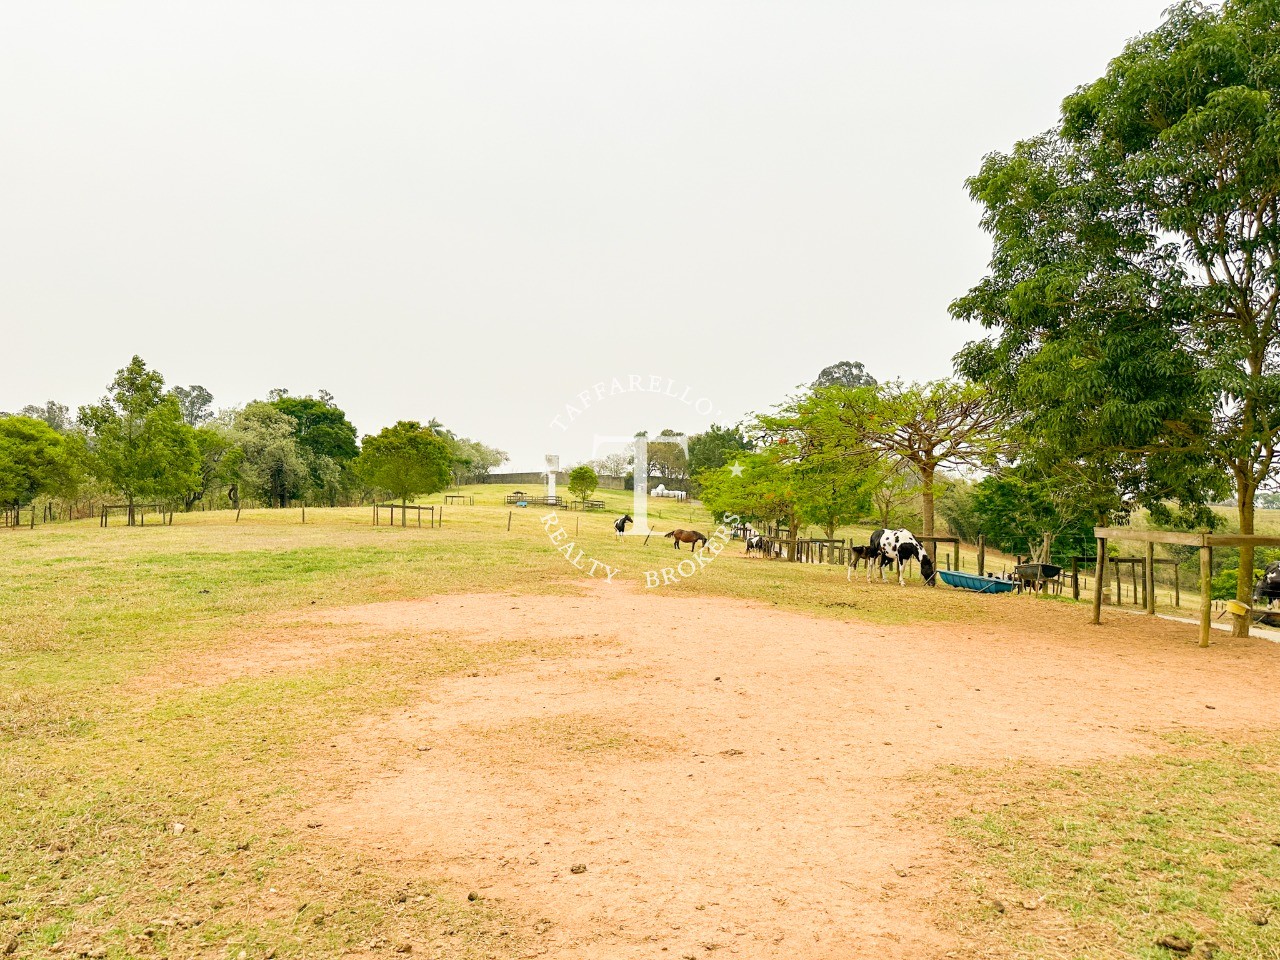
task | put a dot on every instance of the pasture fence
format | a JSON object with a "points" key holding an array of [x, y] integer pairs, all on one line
{"points": [[136, 512], [435, 517], [519, 499], [1203, 542]]}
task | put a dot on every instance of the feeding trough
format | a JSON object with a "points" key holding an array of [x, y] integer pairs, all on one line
{"points": [[971, 581]]}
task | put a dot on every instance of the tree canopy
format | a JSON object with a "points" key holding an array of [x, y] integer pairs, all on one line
{"points": [[846, 373], [583, 481], [929, 426], [270, 462], [139, 443], [715, 447], [35, 460], [1133, 286], [196, 403], [473, 460], [407, 460]]}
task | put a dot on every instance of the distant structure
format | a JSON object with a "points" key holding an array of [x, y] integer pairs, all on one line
{"points": [[553, 465]]}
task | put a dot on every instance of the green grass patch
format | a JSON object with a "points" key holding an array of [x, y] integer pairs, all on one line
{"points": [[1185, 843]]}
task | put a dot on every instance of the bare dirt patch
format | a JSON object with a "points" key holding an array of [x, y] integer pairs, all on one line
{"points": [[702, 774]]}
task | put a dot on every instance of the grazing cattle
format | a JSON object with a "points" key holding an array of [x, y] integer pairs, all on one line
{"points": [[897, 548], [1267, 588], [755, 544], [856, 556], [692, 537], [620, 525]]}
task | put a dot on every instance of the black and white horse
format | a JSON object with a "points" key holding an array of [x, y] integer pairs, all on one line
{"points": [[620, 525], [856, 556], [1267, 589], [898, 548], [755, 543]]}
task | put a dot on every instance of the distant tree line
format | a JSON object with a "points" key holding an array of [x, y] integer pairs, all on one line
{"points": [[143, 443]]}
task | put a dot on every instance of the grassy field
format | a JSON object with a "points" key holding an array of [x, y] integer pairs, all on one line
{"points": [[143, 818]]}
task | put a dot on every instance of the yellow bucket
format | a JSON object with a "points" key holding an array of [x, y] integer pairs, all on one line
{"points": [[1237, 609]]}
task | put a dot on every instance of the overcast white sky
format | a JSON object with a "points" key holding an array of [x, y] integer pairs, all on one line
{"points": [[474, 211]]}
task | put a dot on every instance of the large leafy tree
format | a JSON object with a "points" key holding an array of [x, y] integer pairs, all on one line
{"points": [[407, 460], [321, 426], [139, 442], [668, 460], [35, 461], [1014, 512], [844, 374], [56, 415], [831, 494], [219, 460], [761, 487], [929, 427], [472, 459], [781, 485], [583, 481], [269, 461], [617, 464], [196, 403], [1133, 286], [326, 439], [716, 447]]}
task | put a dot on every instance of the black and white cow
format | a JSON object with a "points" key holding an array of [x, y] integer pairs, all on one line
{"points": [[1267, 589], [620, 525], [755, 543], [898, 548]]}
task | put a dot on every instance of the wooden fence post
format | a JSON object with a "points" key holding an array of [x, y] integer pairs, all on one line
{"points": [[1151, 579], [1099, 580], [1206, 593], [1075, 578]]}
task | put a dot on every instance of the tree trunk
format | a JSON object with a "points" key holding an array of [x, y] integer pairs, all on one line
{"points": [[1245, 493], [926, 498], [130, 510], [404, 512]]}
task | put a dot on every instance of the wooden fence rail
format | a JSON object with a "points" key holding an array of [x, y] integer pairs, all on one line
{"points": [[435, 518]]}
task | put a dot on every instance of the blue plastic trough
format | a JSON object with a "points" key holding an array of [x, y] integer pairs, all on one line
{"points": [[971, 581]]}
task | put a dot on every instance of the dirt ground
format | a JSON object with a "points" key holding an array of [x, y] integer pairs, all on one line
{"points": [[702, 775]]}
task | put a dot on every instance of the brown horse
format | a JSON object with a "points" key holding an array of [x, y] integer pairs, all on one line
{"points": [[687, 536]]}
